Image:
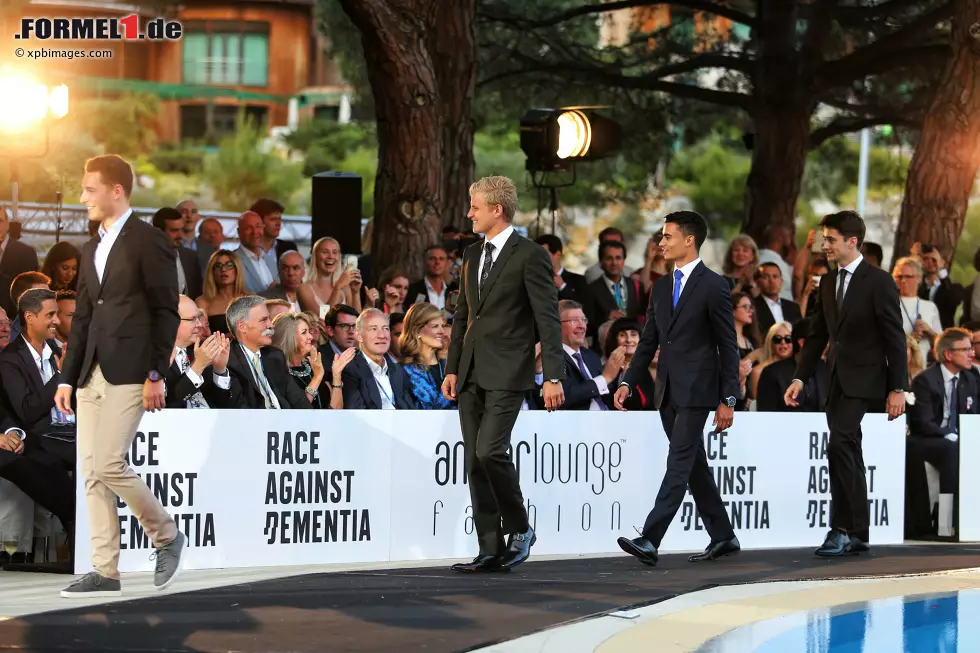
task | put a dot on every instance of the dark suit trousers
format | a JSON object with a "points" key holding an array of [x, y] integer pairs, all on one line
{"points": [[43, 478], [942, 454], [487, 418], [845, 461], [687, 465]]}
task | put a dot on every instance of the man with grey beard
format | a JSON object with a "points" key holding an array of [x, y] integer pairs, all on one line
{"points": [[259, 375]]}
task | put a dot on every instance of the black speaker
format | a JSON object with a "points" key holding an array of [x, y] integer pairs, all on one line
{"points": [[337, 209]]}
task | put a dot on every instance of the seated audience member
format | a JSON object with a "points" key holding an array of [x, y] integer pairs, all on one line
{"points": [[614, 294], [17, 258], [778, 374], [66, 313], [261, 268], [447, 335], [624, 335], [587, 380], [397, 322], [420, 342], [224, 281], [393, 285], [30, 370], [432, 287], [61, 266], [211, 235], [942, 394], [569, 284], [872, 253], [920, 317], [740, 265], [778, 346], [188, 270], [914, 357], [21, 284], [817, 269], [271, 213], [328, 282], [292, 269], [339, 331], [198, 374], [259, 376], [654, 265], [770, 308], [277, 307], [372, 380], [205, 327], [294, 337]]}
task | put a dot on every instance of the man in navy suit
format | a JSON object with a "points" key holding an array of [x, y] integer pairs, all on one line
{"points": [[586, 379], [690, 320], [372, 380]]}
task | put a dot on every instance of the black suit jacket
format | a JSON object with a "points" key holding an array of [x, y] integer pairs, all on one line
{"points": [[867, 341], [602, 303], [418, 288], [774, 380], [128, 322], [576, 288], [494, 331], [180, 387], [361, 390], [698, 347], [791, 314], [17, 258], [283, 246], [192, 272], [244, 391], [29, 399], [926, 415], [947, 300], [579, 390]]}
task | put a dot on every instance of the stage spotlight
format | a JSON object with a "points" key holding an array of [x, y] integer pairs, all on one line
{"points": [[552, 139]]}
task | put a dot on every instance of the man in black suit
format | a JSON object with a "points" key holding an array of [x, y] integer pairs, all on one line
{"points": [[432, 287], [690, 320], [30, 370], [936, 285], [15, 257], [118, 351], [507, 302], [372, 380], [858, 315], [943, 392], [259, 375], [587, 380], [190, 279], [292, 270], [198, 376], [769, 307], [776, 377], [570, 285], [271, 213], [614, 294]]}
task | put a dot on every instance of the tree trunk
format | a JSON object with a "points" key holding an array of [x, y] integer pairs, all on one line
{"points": [[944, 166], [420, 57], [778, 160]]}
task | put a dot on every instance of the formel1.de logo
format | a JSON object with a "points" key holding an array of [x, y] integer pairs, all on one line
{"points": [[98, 29]]}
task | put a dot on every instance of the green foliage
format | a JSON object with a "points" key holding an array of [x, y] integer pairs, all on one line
{"points": [[832, 169], [962, 270], [123, 125], [175, 158], [326, 144], [242, 169], [712, 174]]}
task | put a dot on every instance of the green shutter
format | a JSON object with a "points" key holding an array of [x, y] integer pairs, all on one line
{"points": [[195, 53], [256, 56]]}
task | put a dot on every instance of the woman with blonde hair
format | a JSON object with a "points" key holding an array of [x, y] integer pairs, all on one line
{"points": [[328, 282], [741, 262], [418, 346], [920, 317], [777, 347], [294, 338], [224, 281]]}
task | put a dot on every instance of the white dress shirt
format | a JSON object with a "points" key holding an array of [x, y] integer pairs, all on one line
{"points": [[181, 277], [686, 274], [184, 363], [43, 362], [437, 299], [107, 240], [595, 271], [850, 267], [776, 308], [258, 374], [380, 373], [3, 246], [498, 242], [599, 381], [258, 263], [623, 290]]}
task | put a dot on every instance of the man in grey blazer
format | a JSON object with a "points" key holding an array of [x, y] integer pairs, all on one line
{"points": [[507, 301]]}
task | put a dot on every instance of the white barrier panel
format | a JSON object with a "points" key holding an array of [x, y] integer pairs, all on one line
{"points": [[969, 530], [267, 488]]}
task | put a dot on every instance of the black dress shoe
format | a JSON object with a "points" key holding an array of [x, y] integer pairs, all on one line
{"points": [[857, 545], [837, 544], [641, 548], [482, 563], [716, 550], [518, 548]]}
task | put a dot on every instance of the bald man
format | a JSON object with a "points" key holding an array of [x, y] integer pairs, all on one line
{"points": [[198, 373], [292, 270], [261, 268]]}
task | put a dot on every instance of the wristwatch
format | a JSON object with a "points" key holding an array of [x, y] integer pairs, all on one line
{"points": [[554, 380], [730, 402], [153, 375]]}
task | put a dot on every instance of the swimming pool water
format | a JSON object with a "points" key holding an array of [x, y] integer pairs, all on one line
{"points": [[930, 623]]}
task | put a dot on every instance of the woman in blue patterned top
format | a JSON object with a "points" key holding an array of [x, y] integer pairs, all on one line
{"points": [[419, 345]]}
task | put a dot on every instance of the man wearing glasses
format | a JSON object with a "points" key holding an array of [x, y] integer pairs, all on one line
{"points": [[587, 380], [339, 329], [189, 382]]}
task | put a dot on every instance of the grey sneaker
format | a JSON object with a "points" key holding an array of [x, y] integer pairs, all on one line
{"points": [[168, 559], [92, 585]]}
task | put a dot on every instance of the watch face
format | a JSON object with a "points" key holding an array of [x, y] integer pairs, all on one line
{"points": [[153, 376]]}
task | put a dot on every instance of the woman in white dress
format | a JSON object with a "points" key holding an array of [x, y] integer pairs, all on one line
{"points": [[920, 317]]}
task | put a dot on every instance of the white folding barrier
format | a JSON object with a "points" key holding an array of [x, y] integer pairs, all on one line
{"points": [[263, 488], [969, 498]]}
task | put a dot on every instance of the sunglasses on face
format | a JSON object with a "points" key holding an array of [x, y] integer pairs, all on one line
{"points": [[782, 340]]}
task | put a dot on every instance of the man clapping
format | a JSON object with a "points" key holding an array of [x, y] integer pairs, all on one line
{"points": [[187, 381]]}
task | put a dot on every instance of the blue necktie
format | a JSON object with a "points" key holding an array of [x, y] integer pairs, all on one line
{"points": [[678, 275], [618, 289]]}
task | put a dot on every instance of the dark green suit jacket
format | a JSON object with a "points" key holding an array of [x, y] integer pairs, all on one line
{"points": [[495, 331]]}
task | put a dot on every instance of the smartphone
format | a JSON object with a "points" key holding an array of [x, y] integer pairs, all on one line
{"points": [[816, 279], [817, 246], [324, 310], [350, 260]]}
